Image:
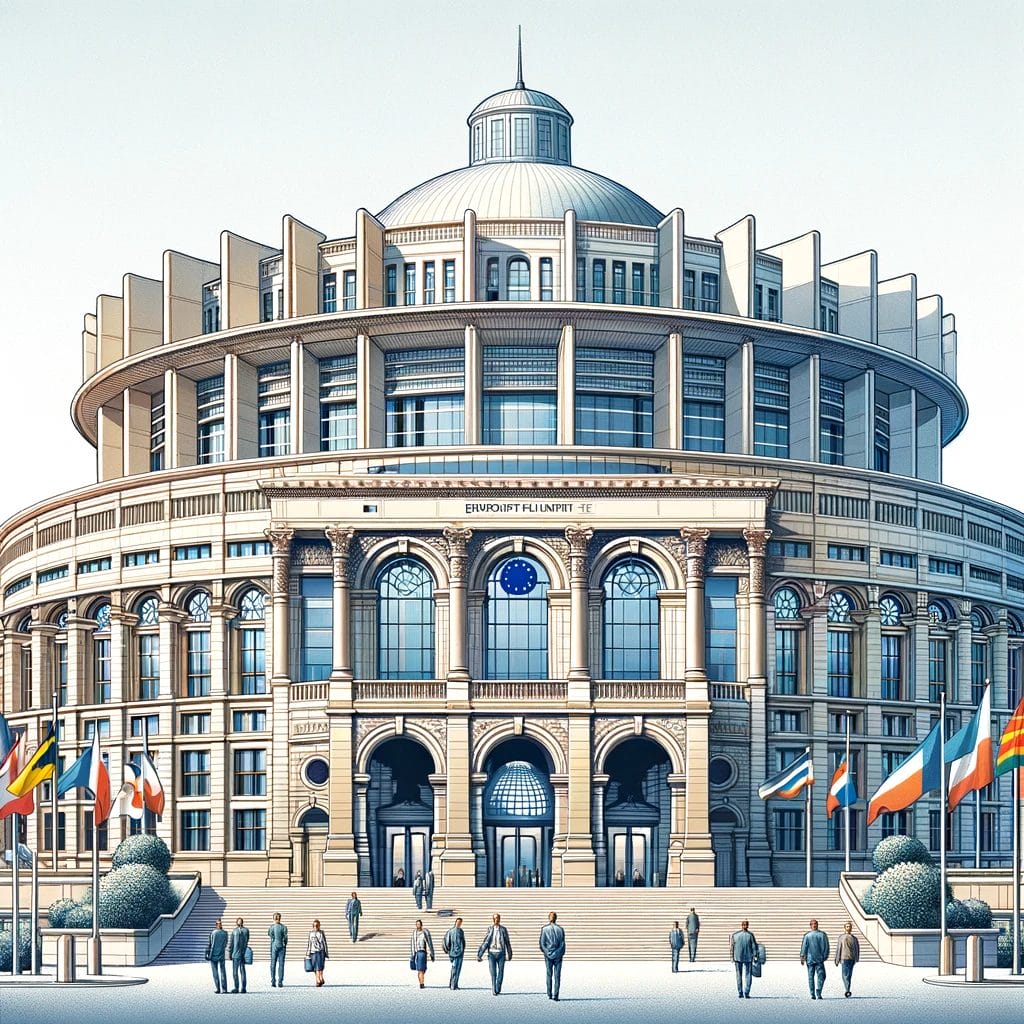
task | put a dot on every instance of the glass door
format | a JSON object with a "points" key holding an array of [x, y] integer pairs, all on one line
{"points": [[629, 853], [407, 852]]}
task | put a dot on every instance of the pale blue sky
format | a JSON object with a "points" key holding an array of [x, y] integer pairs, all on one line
{"points": [[135, 127]]}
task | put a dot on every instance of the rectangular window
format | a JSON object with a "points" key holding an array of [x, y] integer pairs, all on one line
{"points": [[248, 548], [315, 628], [789, 549], [945, 567], [598, 278], [253, 659], [191, 552], [846, 553], [492, 280], [543, 137], [101, 670], [774, 306], [788, 721], [896, 725], [709, 292], [989, 576], [1013, 694], [26, 678], [250, 773], [428, 282], [520, 402], [409, 291], [250, 830], [936, 669], [898, 559], [563, 141], [193, 724], [581, 279], [273, 393], [93, 565], [689, 289], [703, 403], [618, 281], [133, 559], [979, 670], [892, 668], [449, 280], [521, 137], [348, 299], [478, 142], [837, 830], [881, 432], [638, 284], [90, 726], [787, 647], [149, 666], [895, 823], [615, 397], [840, 663], [330, 293], [249, 721], [758, 301], [771, 411], [198, 650], [48, 831], [832, 418], [157, 431], [414, 419], [891, 760], [497, 137], [61, 671], [547, 279], [146, 825], [720, 628], [391, 285], [210, 420], [195, 831], [789, 830], [195, 773], [655, 285], [989, 833], [268, 306], [337, 403], [101, 833], [58, 572]]}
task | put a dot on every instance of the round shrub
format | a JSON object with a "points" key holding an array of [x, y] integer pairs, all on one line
{"points": [[59, 910], [79, 916], [979, 914], [24, 948], [907, 896], [899, 850], [143, 849], [1004, 949], [957, 915], [867, 901], [133, 896]]}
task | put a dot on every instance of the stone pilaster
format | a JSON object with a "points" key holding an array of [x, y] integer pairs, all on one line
{"points": [[340, 538], [579, 861], [457, 539], [579, 635], [696, 674], [362, 820], [676, 874], [477, 783], [698, 857], [600, 785]]}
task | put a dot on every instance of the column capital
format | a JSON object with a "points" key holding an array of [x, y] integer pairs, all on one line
{"points": [[280, 537], [578, 537], [457, 540], [340, 538], [696, 541], [757, 541]]}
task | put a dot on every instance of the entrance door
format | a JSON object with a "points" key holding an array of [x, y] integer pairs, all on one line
{"points": [[314, 844], [407, 853], [725, 858], [629, 851], [519, 855]]}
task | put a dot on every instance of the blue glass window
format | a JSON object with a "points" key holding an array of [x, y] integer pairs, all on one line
{"points": [[638, 284], [391, 285], [598, 274], [428, 282], [631, 648], [771, 411], [337, 403], [881, 432], [252, 646], [832, 417], [210, 420], [520, 403], [614, 397], [709, 292], [516, 620], [703, 403], [518, 280], [720, 628], [273, 392], [655, 285], [449, 280], [787, 650], [840, 663], [316, 628], [891, 667], [406, 621], [547, 279], [581, 279], [409, 293], [157, 431], [348, 299], [330, 293], [618, 281], [416, 414], [689, 289]]}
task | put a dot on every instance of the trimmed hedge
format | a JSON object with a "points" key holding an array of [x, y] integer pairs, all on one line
{"points": [[1004, 949], [143, 849], [132, 896], [957, 915], [907, 896], [899, 850], [59, 911], [24, 948], [979, 914], [867, 901]]}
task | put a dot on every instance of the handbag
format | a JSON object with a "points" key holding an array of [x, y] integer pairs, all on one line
{"points": [[755, 968], [308, 964], [248, 955], [412, 963]]}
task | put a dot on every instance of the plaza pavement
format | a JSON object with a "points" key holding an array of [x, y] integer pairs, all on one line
{"points": [[368, 992]]}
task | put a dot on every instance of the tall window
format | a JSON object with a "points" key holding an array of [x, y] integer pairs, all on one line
{"points": [[518, 279], [882, 432], [720, 628], [618, 281], [268, 306], [330, 293], [543, 137], [211, 307], [337, 403], [516, 620], [837, 830], [197, 645], [709, 292], [391, 285], [598, 278], [890, 614], [703, 403], [409, 291], [26, 677], [547, 279], [101, 655], [840, 645], [250, 830], [787, 641], [638, 284], [689, 289], [789, 830], [895, 823], [581, 279], [405, 592], [478, 142], [519, 395], [252, 642], [1013, 676], [449, 280], [425, 399], [149, 649], [250, 773], [979, 669], [316, 629], [832, 416], [521, 138], [348, 298], [936, 669], [492, 280], [273, 391], [429, 289], [771, 411], [497, 137], [630, 610], [210, 420], [195, 831], [655, 285], [157, 431], [195, 773], [615, 397], [60, 659]]}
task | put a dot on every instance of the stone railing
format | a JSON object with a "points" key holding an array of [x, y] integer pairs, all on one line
{"points": [[400, 689], [638, 689], [518, 689], [727, 691], [308, 691]]}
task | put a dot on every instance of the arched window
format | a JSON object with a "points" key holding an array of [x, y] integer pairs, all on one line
{"points": [[631, 621], [148, 634], [979, 656], [60, 659], [101, 654], [516, 620], [839, 607], [890, 614], [518, 279], [252, 646], [786, 603], [197, 645], [840, 645], [405, 592]]}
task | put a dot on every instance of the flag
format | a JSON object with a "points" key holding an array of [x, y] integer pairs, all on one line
{"points": [[41, 766], [919, 774], [6, 738], [842, 792], [969, 753], [148, 782], [89, 772], [1011, 746], [131, 804], [791, 780], [9, 803]]}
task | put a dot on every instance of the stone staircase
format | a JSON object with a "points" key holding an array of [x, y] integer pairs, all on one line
{"points": [[601, 924]]}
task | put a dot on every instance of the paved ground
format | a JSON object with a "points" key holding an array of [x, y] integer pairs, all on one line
{"points": [[369, 992]]}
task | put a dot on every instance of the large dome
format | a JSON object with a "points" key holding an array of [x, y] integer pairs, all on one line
{"points": [[498, 191]]}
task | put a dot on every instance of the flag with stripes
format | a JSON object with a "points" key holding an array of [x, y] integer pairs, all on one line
{"points": [[1011, 745], [791, 780]]}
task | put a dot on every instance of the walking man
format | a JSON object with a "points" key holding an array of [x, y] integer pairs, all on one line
{"points": [[675, 943], [428, 889], [814, 951], [454, 944], [418, 886], [353, 911], [552, 945], [692, 931], [237, 945], [847, 954], [216, 947], [743, 953], [498, 949], [278, 935]]}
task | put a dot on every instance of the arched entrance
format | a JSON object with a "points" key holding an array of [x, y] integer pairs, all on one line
{"points": [[637, 813], [400, 808], [314, 840], [519, 816]]}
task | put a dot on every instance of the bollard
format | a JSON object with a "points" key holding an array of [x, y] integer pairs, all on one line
{"points": [[975, 958], [946, 951], [65, 959], [94, 956]]}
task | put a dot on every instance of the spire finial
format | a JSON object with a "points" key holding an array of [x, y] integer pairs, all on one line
{"points": [[519, 63]]}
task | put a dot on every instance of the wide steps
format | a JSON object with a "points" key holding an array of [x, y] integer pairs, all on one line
{"points": [[616, 923]]}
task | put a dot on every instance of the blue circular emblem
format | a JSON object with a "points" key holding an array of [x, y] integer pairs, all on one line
{"points": [[518, 577]]}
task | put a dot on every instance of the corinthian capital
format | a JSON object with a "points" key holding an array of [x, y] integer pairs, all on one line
{"points": [[578, 538], [340, 538], [456, 540], [280, 538], [757, 541], [696, 541]]}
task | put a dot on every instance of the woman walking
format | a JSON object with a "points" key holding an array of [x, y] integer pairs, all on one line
{"points": [[419, 945], [316, 952]]}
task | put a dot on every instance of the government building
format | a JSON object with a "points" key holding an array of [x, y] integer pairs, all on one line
{"points": [[517, 532]]}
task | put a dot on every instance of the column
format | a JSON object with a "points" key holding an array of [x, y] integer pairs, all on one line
{"points": [[362, 783], [579, 659], [457, 538], [43, 675], [677, 831], [566, 424], [340, 538], [696, 676], [759, 852], [473, 387], [477, 782], [600, 785], [579, 861], [959, 687], [122, 671], [280, 851]]}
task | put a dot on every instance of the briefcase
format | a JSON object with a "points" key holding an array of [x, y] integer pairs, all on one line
{"points": [[755, 968], [248, 954], [308, 964]]}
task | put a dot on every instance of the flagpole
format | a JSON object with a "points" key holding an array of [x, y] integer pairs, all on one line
{"points": [[15, 897], [808, 838], [942, 832], [95, 963], [34, 929], [53, 784], [1015, 873], [846, 809]]}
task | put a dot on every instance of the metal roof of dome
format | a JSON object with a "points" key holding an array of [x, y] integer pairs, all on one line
{"points": [[518, 98], [522, 189]]}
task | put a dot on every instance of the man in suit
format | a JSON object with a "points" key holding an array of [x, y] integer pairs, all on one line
{"points": [[237, 945], [675, 943], [498, 949], [692, 931], [216, 947], [428, 889], [743, 953], [353, 911], [454, 944], [552, 945], [278, 935], [417, 890], [847, 954], [814, 951]]}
